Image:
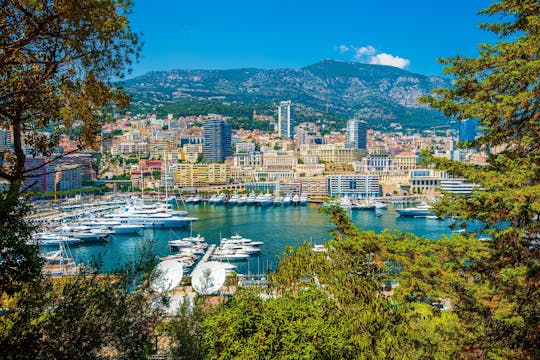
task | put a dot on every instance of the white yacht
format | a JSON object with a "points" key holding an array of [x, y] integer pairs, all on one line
{"points": [[345, 203], [180, 243], [251, 199], [220, 199], [250, 250], [196, 199], [380, 205], [84, 233], [53, 239], [196, 239], [265, 199], [239, 240], [152, 216], [234, 199], [278, 200], [242, 200], [229, 255], [422, 210], [303, 200], [115, 227], [287, 200], [296, 200]]}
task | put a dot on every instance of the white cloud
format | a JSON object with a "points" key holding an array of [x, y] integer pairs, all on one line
{"points": [[370, 55], [387, 59], [365, 51], [343, 49]]}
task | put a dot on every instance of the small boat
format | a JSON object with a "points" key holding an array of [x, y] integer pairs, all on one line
{"points": [[196, 239], [379, 213], [319, 248], [380, 205]]}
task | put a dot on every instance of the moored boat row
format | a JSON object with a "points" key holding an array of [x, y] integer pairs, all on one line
{"points": [[262, 199]]}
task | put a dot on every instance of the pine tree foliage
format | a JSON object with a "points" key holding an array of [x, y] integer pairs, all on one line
{"points": [[501, 88], [57, 58]]}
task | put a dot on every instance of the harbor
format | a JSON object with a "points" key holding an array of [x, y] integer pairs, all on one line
{"points": [[275, 226]]}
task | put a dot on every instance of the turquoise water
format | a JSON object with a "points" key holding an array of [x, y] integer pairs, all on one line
{"points": [[277, 227]]}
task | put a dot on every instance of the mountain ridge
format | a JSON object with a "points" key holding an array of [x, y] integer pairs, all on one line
{"points": [[380, 94]]}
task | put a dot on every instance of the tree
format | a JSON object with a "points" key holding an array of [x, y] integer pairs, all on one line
{"points": [[87, 316], [56, 61], [501, 89], [329, 305]]}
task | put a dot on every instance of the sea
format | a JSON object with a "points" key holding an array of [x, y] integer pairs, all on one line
{"points": [[276, 226]]}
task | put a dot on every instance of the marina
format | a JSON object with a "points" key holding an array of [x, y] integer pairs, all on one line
{"points": [[275, 226]]}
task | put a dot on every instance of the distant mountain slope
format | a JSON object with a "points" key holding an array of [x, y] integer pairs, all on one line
{"points": [[379, 94]]}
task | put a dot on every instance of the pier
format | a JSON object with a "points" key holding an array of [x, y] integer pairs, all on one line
{"points": [[209, 252]]}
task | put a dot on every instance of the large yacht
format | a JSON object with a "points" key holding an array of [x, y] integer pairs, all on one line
{"points": [[152, 216], [287, 200], [422, 210], [252, 199], [265, 199], [234, 199], [115, 227]]}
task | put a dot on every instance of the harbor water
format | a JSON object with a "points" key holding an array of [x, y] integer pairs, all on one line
{"points": [[276, 226]]}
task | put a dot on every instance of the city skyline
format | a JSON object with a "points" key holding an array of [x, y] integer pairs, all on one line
{"points": [[214, 35]]}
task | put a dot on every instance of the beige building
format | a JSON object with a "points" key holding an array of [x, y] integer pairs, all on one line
{"points": [[196, 175], [192, 153], [290, 186], [317, 186], [253, 159], [310, 169], [159, 148], [333, 153], [241, 174], [279, 161], [426, 181], [406, 161]]}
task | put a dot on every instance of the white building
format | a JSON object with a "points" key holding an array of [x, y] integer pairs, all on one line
{"points": [[354, 186], [285, 120]]}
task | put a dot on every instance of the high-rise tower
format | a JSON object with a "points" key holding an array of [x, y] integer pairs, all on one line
{"points": [[217, 141], [285, 120], [357, 133], [468, 130]]}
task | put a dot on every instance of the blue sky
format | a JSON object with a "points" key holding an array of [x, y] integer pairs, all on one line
{"points": [[229, 34]]}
